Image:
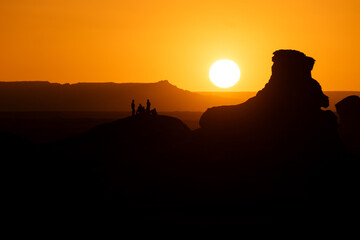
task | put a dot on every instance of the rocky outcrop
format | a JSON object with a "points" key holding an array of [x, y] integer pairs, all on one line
{"points": [[289, 106], [291, 84], [349, 128], [349, 110]]}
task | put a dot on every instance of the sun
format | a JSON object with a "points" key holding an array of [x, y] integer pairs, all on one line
{"points": [[224, 73]]}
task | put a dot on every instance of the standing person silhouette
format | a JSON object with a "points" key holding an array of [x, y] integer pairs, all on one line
{"points": [[133, 107], [148, 104]]}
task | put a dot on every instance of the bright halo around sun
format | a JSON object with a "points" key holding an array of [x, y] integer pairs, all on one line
{"points": [[224, 73]]}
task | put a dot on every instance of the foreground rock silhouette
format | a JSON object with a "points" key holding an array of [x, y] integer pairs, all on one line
{"points": [[276, 158], [288, 107]]}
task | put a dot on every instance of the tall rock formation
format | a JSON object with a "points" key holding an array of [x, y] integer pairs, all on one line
{"points": [[288, 107]]}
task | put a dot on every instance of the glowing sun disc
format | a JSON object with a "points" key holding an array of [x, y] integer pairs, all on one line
{"points": [[224, 73]]}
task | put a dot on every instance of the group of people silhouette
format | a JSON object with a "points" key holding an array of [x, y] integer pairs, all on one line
{"points": [[141, 109]]}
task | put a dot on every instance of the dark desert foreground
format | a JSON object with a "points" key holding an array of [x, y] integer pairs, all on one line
{"points": [[49, 126], [279, 157]]}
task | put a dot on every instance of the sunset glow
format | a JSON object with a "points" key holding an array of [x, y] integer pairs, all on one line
{"points": [[224, 73], [156, 113], [73, 41]]}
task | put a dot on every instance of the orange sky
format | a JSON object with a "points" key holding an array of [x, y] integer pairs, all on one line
{"points": [[151, 40]]}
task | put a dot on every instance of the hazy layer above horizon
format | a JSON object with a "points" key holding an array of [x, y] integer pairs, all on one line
{"points": [[165, 97]]}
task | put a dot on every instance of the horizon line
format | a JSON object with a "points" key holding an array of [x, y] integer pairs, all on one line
{"points": [[160, 81]]}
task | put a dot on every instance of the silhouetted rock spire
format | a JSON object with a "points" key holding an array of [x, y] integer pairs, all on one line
{"points": [[291, 84], [289, 106], [290, 91]]}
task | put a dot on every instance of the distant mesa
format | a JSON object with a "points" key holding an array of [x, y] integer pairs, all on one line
{"points": [[46, 96]]}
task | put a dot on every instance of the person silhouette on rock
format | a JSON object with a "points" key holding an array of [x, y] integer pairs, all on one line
{"points": [[133, 107], [148, 104]]}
